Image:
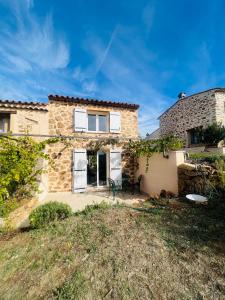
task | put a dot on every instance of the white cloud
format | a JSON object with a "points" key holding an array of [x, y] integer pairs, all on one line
{"points": [[125, 73], [148, 17], [33, 41], [89, 87]]}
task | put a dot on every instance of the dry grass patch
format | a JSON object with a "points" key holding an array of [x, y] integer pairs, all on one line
{"points": [[118, 253]]}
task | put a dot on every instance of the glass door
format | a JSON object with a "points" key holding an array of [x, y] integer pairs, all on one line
{"points": [[92, 168], [102, 168]]}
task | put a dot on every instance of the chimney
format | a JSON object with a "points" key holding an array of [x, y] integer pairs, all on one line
{"points": [[181, 95]]}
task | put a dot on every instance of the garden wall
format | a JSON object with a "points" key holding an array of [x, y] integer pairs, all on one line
{"points": [[162, 173], [192, 180]]}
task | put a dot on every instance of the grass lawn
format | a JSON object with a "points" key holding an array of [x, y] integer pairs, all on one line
{"points": [[156, 251]]}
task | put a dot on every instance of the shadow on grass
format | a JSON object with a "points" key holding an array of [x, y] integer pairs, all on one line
{"points": [[186, 225]]}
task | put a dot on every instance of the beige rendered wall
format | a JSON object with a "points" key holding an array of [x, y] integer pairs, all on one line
{"points": [[33, 121], [23, 120], [162, 173]]}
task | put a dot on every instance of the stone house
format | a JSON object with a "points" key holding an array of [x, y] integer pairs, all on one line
{"points": [[189, 113], [79, 164], [85, 122], [21, 117]]}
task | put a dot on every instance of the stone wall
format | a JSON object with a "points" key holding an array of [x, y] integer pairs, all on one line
{"points": [[61, 119], [191, 180], [191, 112], [220, 107], [24, 119], [60, 177]]}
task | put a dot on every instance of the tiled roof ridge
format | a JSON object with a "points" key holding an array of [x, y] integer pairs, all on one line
{"points": [[93, 101], [217, 89]]}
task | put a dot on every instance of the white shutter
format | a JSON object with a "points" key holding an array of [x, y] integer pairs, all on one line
{"points": [[80, 119], [79, 170], [115, 121], [115, 165]]}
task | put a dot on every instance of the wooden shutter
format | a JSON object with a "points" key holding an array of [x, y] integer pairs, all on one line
{"points": [[80, 119], [115, 165], [115, 121], [79, 170]]}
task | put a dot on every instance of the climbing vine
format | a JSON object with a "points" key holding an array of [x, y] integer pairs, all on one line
{"points": [[148, 147], [19, 165]]}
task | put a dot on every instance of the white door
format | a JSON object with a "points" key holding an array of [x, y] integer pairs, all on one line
{"points": [[79, 170], [115, 166]]}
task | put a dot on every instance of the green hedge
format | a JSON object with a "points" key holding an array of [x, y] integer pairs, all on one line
{"points": [[206, 157], [49, 212]]}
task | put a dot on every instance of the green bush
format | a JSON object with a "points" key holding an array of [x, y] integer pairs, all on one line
{"points": [[213, 134], [206, 157], [90, 209], [20, 165], [49, 212], [6, 206]]}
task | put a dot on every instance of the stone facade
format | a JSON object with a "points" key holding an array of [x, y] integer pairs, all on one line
{"points": [[61, 115], [192, 112], [26, 117], [195, 181]]}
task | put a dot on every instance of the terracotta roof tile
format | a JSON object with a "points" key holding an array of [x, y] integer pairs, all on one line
{"points": [[25, 104], [93, 101]]}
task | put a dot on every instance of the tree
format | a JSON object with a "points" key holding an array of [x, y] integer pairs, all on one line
{"points": [[19, 158], [213, 134]]}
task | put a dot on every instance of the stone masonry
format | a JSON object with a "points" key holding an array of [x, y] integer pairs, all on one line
{"points": [[26, 117], [57, 119], [61, 122], [193, 111]]}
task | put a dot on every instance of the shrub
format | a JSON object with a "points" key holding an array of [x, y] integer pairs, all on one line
{"points": [[19, 169], [206, 157], [6, 206], [90, 209], [49, 212], [213, 134]]}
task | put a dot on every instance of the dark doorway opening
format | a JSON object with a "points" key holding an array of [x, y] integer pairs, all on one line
{"points": [[92, 168], [102, 168]]}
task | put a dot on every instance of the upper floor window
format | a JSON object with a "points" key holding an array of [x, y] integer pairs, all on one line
{"points": [[91, 121], [97, 122], [4, 122]]}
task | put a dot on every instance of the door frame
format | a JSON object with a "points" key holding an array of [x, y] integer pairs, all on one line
{"points": [[107, 169]]}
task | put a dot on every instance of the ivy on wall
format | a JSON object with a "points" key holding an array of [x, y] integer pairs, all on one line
{"points": [[148, 147], [19, 158]]}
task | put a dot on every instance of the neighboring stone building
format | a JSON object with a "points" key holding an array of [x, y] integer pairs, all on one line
{"points": [[84, 124], [192, 112], [21, 117], [155, 135]]}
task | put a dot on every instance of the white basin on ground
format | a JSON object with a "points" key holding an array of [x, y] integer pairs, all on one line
{"points": [[196, 198]]}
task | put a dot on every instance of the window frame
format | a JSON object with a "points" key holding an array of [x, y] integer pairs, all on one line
{"points": [[97, 114], [5, 120]]}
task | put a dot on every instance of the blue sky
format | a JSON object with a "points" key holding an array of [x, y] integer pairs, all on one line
{"points": [[137, 51]]}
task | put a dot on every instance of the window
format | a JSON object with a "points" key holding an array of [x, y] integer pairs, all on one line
{"points": [[97, 122], [4, 122], [102, 123], [92, 122], [195, 136]]}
